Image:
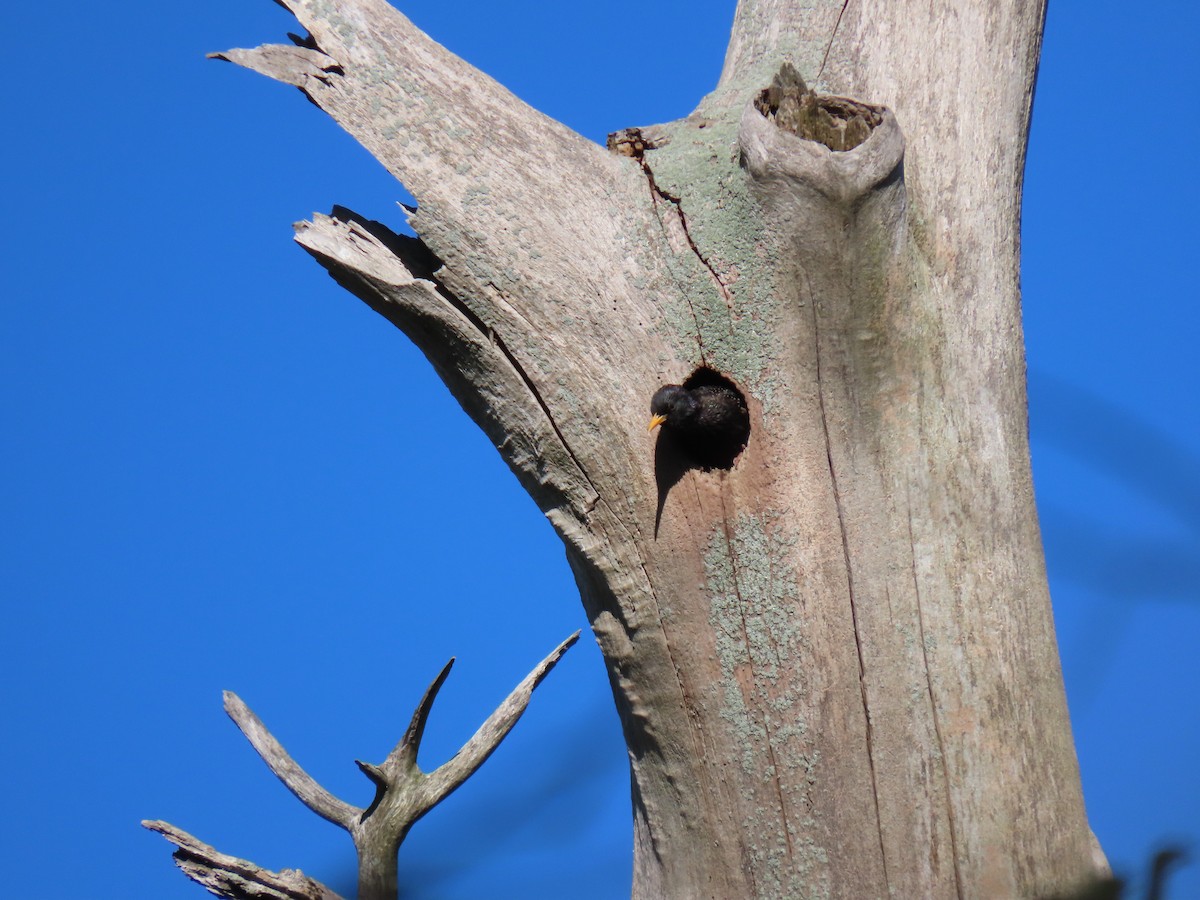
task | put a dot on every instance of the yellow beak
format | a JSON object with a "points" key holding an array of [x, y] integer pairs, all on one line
{"points": [[655, 421]]}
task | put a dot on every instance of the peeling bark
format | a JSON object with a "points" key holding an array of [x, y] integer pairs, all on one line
{"points": [[835, 664]]}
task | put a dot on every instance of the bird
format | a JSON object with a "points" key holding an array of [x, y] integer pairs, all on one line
{"points": [[709, 422]]}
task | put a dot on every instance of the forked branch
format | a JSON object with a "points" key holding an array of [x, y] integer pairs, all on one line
{"points": [[403, 794]]}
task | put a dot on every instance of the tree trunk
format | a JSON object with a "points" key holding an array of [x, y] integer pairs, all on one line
{"points": [[835, 662]]}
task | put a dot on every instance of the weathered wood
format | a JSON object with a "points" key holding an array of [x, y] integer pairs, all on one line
{"points": [[403, 794], [237, 879], [835, 664]]}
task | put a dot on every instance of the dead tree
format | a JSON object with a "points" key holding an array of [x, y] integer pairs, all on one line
{"points": [[834, 660]]}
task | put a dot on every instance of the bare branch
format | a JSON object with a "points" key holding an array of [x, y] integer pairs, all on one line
{"points": [[523, 219], [474, 752], [403, 794], [292, 65], [423, 112], [238, 879], [294, 778], [398, 280], [405, 753]]}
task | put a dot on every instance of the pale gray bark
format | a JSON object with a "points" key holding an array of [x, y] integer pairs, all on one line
{"points": [[835, 664]]}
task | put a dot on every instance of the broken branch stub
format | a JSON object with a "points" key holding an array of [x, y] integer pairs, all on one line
{"points": [[403, 794], [237, 879], [837, 122], [789, 134]]}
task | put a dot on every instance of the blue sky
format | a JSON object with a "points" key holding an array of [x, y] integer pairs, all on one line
{"points": [[226, 473]]}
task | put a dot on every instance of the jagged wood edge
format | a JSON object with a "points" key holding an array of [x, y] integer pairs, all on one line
{"points": [[521, 213], [235, 878], [349, 66], [387, 273]]}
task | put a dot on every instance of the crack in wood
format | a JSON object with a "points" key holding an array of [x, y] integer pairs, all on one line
{"points": [[933, 710], [423, 264], [632, 143], [837, 500], [685, 697], [655, 196], [677, 202], [829, 46], [498, 343], [741, 605]]}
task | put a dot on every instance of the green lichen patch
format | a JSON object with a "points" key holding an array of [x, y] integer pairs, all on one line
{"points": [[754, 595], [723, 310]]}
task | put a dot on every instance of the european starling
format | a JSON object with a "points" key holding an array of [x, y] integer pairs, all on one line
{"points": [[709, 422]]}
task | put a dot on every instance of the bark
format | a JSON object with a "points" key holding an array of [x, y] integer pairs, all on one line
{"points": [[834, 663]]}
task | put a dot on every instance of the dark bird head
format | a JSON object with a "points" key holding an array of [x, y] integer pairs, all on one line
{"points": [[672, 405], [705, 418]]}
